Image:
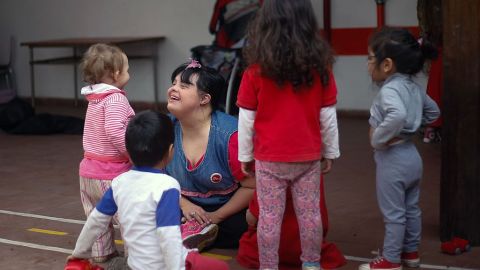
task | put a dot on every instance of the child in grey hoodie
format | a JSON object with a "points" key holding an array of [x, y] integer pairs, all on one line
{"points": [[398, 110]]}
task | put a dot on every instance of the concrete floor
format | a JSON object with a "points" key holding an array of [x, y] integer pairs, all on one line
{"points": [[38, 177]]}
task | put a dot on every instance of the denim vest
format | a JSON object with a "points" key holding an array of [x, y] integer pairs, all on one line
{"points": [[211, 183]]}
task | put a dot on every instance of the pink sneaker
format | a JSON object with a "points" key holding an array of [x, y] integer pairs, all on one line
{"points": [[380, 263], [199, 236], [411, 259]]}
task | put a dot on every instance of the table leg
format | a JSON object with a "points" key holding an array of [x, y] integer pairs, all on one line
{"points": [[155, 72], [32, 77], [75, 71]]}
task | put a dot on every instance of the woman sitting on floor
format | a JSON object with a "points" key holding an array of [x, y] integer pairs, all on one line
{"points": [[215, 193]]}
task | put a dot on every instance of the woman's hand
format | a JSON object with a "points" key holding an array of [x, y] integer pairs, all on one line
{"points": [[214, 217], [192, 211]]}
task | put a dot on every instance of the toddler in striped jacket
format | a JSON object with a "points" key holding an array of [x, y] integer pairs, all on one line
{"points": [[105, 69]]}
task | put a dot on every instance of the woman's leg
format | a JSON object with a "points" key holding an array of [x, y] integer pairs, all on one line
{"points": [[306, 200], [91, 191], [231, 230]]}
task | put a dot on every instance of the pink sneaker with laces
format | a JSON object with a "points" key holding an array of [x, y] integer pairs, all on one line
{"points": [[380, 263], [199, 236]]}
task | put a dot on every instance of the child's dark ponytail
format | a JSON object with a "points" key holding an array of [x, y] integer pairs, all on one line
{"points": [[429, 51], [408, 53]]}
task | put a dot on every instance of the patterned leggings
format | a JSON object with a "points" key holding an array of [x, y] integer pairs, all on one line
{"points": [[273, 178]]}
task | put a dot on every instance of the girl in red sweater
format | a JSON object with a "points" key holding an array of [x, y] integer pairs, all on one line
{"points": [[287, 123]]}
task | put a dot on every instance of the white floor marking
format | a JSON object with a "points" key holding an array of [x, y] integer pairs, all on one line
{"points": [[429, 266], [357, 259], [422, 266], [66, 220], [75, 221], [36, 246]]}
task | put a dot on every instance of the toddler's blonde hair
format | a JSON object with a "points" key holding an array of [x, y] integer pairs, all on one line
{"points": [[101, 60]]}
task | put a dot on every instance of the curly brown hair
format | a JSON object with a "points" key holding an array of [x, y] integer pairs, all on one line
{"points": [[284, 39], [101, 60]]}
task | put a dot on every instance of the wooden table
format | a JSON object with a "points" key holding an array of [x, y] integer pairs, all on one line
{"points": [[80, 44]]}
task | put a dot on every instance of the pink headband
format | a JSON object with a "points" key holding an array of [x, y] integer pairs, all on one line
{"points": [[193, 64]]}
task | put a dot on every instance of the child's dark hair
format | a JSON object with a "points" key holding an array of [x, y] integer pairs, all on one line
{"points": [[284, 39], [209, 81], [148, 138], [406, 52], [100, 60]]}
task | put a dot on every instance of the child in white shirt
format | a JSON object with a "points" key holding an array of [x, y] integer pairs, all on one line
{"points": [[147, 203]]}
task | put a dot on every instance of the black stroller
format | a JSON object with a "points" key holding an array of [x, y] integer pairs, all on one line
{"points": [[228, 23]]}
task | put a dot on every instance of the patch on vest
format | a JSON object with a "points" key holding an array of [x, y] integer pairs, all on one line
{"points": [[216, 178]]}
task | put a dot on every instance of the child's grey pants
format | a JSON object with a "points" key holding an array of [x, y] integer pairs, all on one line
{"points": [[399, 169]]}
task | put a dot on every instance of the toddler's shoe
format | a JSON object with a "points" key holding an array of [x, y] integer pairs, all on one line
{"points": [[411, 259], [462, 244], [310, 266], [106, 258], [199, 236], [81, 264], [380, 263]]}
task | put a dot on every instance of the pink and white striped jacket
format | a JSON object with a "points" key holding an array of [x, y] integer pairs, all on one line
{"points": [[106, 121]]}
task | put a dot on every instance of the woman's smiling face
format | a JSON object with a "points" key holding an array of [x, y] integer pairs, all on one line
{"points": [[183, 97]]}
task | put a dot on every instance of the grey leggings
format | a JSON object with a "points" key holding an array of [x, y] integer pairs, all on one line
{"points": [[399, 169]]}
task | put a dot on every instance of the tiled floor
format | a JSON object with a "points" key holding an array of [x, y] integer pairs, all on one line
{"points": [[38, 175]]}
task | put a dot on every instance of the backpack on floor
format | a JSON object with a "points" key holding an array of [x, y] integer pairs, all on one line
{"points": [[14, 112]]}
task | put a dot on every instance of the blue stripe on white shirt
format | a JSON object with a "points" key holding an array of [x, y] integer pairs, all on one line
{"points": [[107, 205], [168, 209]]}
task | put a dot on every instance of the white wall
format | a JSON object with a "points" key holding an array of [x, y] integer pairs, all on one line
{"points": [[183, 22], [185, 25], [355, 88]]}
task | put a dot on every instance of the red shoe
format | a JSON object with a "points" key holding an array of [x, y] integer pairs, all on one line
{"points": [[449, 247], [380, 263], [410, 259], [81, 264], [462, 244]]}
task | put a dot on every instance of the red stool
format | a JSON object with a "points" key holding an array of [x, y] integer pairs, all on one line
{"points": [[455, 246], [463, 244]]}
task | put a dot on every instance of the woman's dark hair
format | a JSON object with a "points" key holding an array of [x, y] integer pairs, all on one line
{"points": [[208, 81], [403, 48], [148, 138], [284, 39]]}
